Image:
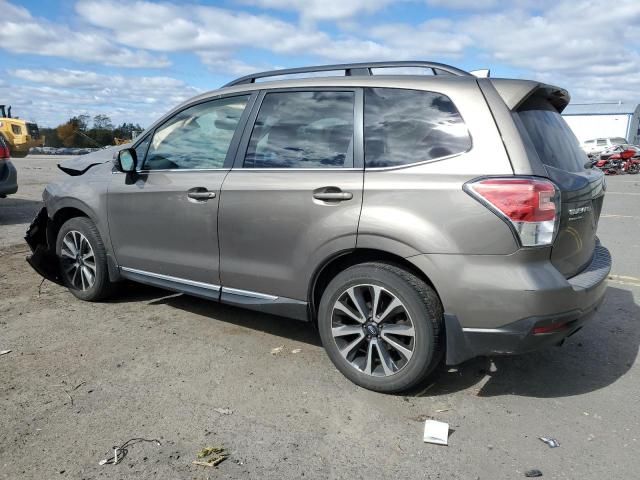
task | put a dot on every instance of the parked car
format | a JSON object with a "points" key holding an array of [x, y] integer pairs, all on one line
{"points": [[8, 174], [414, 219], [596, 146]]}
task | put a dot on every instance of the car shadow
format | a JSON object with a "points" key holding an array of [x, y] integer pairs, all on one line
{"points": [[15, 211], [274, 325], [595, 357]]}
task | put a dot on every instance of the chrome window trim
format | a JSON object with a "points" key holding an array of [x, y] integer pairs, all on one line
{"points": [[193, 283], [147, 172], [248, 293], [318, 169], [422, 162]]}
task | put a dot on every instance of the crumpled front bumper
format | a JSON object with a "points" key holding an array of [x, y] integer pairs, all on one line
{"points": [[43, 258]]}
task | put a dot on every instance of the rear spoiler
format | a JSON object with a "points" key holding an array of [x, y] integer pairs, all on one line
{"points": [[516, 92]]}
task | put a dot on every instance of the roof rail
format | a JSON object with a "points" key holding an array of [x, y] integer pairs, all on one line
{"points": [[352, 69]]}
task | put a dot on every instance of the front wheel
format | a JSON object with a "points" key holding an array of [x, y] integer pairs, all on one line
{"points": [[83, 260], [381, 326]]}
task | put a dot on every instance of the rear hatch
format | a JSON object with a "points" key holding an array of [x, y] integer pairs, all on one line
{"points": [[548, 137]]}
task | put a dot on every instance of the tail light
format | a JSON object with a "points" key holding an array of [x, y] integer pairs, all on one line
{"points": [[531, 206], [4, 152]]}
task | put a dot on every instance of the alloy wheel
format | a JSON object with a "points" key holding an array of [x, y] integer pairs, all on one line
{"points": [[78, 260], [373, 330]]}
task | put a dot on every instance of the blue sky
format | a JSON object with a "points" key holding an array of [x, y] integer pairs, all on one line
{"points": [[135, 60]]}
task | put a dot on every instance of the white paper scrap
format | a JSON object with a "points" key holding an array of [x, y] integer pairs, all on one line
{"points": [[436, 432]]}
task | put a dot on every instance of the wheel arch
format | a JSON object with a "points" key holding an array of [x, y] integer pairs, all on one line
{"points": [[345, 259], [60, 216]]}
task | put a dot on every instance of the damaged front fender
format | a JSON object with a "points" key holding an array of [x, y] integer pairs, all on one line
{"points": [[43, 259]]}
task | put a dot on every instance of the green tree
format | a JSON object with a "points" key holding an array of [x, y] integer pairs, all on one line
{"points": [[102, 122]]}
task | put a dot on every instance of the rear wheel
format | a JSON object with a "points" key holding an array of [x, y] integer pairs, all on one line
{"points": [[381, 327], [83, 260]]}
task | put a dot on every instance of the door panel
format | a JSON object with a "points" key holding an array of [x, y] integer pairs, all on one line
{"points": [[295, 194], [274, 234], [163, 219], [155, 226]]}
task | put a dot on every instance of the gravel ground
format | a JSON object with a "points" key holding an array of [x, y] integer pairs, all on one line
{"points": [[83, 377]]}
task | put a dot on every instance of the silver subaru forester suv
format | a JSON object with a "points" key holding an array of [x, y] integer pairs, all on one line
{"points": [[416, 219]]}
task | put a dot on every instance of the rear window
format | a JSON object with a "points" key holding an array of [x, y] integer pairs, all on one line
{"points": [[410, 126], [544, 130]]}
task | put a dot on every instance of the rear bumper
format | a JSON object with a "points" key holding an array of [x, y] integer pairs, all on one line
{"points": [[8, 179], [516, 296]]}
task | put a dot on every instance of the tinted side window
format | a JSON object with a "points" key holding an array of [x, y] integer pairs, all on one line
{"points": [[303, 130], [543, 127], [197, 137], [409, 126]]}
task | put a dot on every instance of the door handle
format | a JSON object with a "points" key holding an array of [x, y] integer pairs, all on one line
{"points": [[200, 193], [333, 196]]}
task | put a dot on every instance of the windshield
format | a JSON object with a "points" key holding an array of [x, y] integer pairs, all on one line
{"points": [[619, 141], [544, 129]]}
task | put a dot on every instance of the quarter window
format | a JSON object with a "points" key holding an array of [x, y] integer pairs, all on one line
{"points": [[303, 130], [197, 137], [409, 126]]}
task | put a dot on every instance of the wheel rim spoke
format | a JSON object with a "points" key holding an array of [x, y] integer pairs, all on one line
{"points": [[397, 346], [399, 329], [70, 246], [351, 346], [358, 301], [66, 253], [369, 365], [388, 365], [345, 330], [375, 302], [346, 310], [393, 306], [373, 330], [88, 276]]}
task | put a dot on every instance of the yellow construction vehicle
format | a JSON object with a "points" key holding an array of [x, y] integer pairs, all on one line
{"points": [[19, 134]]}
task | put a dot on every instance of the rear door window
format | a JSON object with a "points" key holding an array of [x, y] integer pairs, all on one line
{"points": [[544, 129], [311, 129], [409, 126]]}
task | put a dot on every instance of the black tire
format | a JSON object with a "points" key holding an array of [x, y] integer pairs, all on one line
{"points": [[102, 287], [421, 303]]}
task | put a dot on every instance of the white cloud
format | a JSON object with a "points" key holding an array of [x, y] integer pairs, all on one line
{"points": [[324, 9], [171, 27], [463, 4], [53, 96], [22, 33]]}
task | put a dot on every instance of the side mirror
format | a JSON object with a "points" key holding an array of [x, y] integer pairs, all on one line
{"points": [[126, 160]]}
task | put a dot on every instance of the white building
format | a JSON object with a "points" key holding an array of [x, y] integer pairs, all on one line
{"points": [[601, 120]]}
